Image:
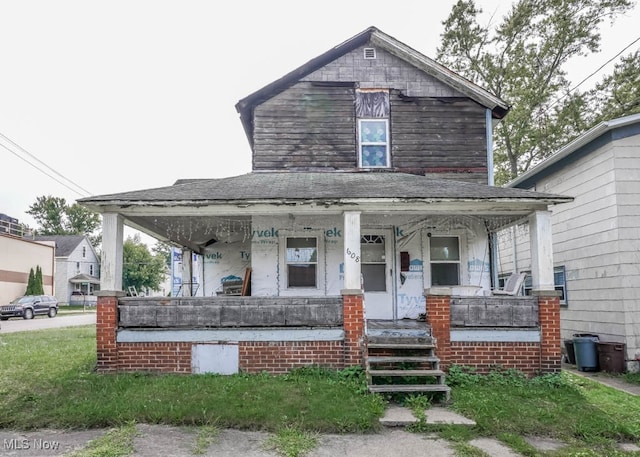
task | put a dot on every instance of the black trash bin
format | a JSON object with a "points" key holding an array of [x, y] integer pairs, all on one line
{"points": [[611, 357], [585, 348], [571, 355]]}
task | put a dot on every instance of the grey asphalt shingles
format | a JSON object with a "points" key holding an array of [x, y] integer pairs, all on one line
{"points": [[317, 185]]}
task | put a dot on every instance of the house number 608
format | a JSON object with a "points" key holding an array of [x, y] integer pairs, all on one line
{"points": [[353, 255]]}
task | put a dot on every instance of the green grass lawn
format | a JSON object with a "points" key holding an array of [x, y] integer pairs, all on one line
{"points": [[48, 380]]}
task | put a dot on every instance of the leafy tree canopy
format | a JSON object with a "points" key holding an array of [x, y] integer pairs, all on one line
{"points": [[55, 217], [523, 60], [140, 268]]}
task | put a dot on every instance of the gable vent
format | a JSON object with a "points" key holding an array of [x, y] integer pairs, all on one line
{"points": [[369, 53]]}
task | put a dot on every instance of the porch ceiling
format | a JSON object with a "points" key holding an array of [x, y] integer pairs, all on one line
{"points": [[199, 232]]}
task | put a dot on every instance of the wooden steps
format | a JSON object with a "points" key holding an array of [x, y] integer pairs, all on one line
{"points": [[397, 361]]}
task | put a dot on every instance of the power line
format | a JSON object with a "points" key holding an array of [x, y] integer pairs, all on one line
{"points": [[23, 150], [593, 73]]}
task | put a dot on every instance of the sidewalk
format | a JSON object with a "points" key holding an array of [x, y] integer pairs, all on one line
{"points": [[169, 441], [616, 382]]}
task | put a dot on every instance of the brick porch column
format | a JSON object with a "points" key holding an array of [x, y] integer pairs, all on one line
{"points": [[353, 322], [550, 343], [439, 318], [106, 326]]}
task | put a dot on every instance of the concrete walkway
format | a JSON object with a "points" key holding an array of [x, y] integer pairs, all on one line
{"points": [[604, 378]]}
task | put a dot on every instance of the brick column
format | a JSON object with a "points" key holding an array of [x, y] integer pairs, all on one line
{"points": [[106, 326], [439, 318], [353, 322], [550, 343]]}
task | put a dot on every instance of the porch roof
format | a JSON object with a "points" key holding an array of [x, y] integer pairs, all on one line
{"points": [[316, 186], [189, 211]]}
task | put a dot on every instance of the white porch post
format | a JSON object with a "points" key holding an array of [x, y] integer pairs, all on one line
{"points": [[352, 259], [187, 272], [541, 251], [112, 233]]}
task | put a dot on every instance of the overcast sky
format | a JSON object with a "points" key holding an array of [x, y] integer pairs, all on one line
{"points": [[126, 95]]}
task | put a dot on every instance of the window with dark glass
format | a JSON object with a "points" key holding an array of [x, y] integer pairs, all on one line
{"points": [[373, 265], [559, 280], [445, 260], [302, 262]]}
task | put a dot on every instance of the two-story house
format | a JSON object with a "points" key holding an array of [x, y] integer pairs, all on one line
{"points": [[369, 203], [77, 273]]}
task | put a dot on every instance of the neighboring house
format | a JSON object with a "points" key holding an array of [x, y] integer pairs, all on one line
{"points": [[596, 237], [77, 268], [368, 206], [18, 256]]}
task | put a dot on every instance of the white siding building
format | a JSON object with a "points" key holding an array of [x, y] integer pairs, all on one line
{"points": [[77, 268], [596, 238]]}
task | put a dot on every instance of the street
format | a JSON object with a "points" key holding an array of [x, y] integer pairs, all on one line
{"points": [[44, 322]]}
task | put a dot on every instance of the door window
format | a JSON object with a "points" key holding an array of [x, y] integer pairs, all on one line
{"points": [[374, 264]]}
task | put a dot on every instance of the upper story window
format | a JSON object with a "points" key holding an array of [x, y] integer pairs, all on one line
{"points": [[84, 251], [372, 111], [374, 143], [91, 269]]}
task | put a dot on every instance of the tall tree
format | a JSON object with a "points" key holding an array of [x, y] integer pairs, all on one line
{"points": [[38, 282], [31, 283], [523, 60], [618, 94], [55, 217], [163, 250], [140, 268]]}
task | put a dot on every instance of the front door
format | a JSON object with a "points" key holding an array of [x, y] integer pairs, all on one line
{"points": [[377, 255]]}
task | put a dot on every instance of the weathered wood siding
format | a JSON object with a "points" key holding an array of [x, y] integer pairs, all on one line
{"points": [[219, 312], [494, 312], [306, 126], [312, 124], [435, 135]]}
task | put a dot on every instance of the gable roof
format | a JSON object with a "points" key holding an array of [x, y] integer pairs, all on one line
{"points": [[65, 244], [604, 132], [375, 37]]}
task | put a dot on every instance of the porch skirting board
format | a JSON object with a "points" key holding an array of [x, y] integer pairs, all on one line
{"points": [[228, 335], [495, 335]]}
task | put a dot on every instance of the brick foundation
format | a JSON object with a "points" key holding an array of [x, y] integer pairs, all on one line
{"points": [[254, 356], [487, 356], [530, 358], [169, 357], [281, 357]]}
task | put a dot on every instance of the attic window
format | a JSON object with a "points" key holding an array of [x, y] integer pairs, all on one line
{"points": [[369, 53]]}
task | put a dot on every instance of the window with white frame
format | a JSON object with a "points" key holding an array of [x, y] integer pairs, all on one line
{"points": [[372, 109], [373, 143], [302, 262], [91, 269], [84, 251], [444, 258], [77, 267]]}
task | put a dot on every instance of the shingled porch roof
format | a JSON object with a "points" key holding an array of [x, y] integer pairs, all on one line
{"points": [[290, 186], [187, 211]]}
